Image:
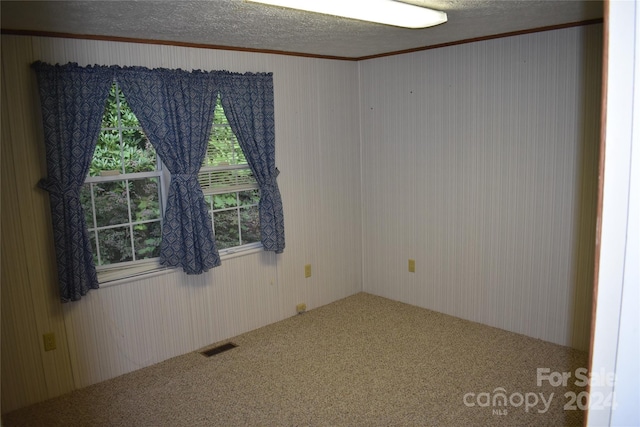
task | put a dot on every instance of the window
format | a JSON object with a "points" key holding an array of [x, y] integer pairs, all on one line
{"points": [[230, 189], [123, 195]]}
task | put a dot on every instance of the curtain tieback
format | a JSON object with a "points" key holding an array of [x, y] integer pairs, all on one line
{"points": [[184, 177], [54, 187], [272, 183], [185, 180]]}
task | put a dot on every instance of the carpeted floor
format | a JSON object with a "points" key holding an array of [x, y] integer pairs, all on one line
{"points": [[360, 361]]}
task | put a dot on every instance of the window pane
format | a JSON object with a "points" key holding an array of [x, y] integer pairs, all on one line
{"points": [[218, 114], [147, 238], [128, 212], [251, 197], [224, 147], [240, 155], [139, 155], [121, 140], [225, 169], [221, 201], [115, 245], [250, 224], [223, 143], [225, 226], [221, 147], [107, 156], [145, 199], [111, 203], [116, 103]]}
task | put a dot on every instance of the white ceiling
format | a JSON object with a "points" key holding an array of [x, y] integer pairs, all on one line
{"points": [[240, 24]]}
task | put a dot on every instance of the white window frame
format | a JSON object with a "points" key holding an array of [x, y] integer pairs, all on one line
{"points": [[120, 270], [241, 182], [237, 208]]}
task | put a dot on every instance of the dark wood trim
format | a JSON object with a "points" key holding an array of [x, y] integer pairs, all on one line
{"points": [[491, 37], [165, 43], [600, 197], [601, 162], [281, 52]]}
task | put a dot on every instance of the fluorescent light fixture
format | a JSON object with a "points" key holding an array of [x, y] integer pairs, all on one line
{"points": [[387, 12]]}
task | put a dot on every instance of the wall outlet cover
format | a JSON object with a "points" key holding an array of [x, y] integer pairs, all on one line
{"points": [[49, 341]]}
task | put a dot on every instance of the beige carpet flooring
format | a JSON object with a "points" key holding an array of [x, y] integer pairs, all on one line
{"points": [[360, 361]]}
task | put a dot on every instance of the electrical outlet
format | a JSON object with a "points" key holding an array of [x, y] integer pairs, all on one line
{"points": [[49, 341], [412, 266], [301, 308], [307, 270]]}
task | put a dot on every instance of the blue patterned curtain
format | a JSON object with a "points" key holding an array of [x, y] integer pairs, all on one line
{"points": [[72, 102], [175, 109], [248, 104]]}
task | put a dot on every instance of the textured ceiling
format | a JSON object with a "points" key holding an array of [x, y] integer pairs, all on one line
{"points": [[240, 24]]}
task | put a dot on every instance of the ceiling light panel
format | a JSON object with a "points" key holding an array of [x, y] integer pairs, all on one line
{"points": [[388, 12]]}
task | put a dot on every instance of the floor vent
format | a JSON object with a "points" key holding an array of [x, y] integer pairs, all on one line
{"points": [[219, 349]]}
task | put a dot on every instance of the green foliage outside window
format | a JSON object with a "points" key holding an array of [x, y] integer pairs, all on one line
{"points": [[135, 154]]}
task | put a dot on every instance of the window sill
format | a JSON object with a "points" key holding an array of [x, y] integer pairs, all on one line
{"points": [[234, 253], [141, 276], [224, 255]]}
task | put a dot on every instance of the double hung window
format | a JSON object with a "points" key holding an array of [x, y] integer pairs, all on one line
{"points": [[230, 189], [122, 197]]}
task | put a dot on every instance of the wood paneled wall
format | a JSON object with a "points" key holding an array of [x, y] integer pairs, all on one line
{"points": [[479, 161], [121, 328]]}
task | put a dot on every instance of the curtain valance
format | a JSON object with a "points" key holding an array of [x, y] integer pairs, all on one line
{"points": [[219, 76]]}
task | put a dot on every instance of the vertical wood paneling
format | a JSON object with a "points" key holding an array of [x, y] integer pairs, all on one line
{"points": [[479, 162], [15, 299], [29, 304], [121, 328]]}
